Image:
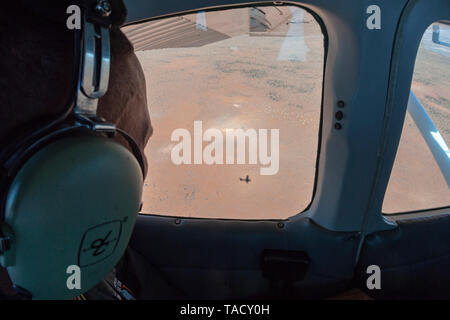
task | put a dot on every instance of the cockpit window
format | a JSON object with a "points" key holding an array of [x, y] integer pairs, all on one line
{"points": [[420, 178], [235, 101]]}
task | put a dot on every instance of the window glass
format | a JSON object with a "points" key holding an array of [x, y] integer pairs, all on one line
{"points": [[420, 177], [235, 100]]}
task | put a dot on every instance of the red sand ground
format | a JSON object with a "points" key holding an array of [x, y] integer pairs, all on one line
{"points": [[239, 83]]}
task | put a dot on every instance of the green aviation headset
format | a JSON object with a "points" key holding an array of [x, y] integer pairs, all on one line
{"points": [[70, 193]]}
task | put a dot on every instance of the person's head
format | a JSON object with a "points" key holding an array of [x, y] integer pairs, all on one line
{"points": [[36, 78], [36, 50]]}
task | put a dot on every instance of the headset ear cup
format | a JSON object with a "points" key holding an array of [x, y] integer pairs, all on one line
{"points": [[72, 204]]}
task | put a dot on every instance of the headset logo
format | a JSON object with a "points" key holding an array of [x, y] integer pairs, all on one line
{"points": [[99, 242], [100, 245]]}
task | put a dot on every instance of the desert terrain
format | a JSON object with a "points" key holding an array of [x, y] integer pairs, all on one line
{"points": [[262, 69]]}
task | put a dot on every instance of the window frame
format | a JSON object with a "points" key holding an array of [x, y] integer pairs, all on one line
{"points": [[409, 212], [352, 164], [417, 16], [319, 133]]}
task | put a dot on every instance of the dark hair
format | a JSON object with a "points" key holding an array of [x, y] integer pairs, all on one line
{"points": [[36, 76], [35, 68]]}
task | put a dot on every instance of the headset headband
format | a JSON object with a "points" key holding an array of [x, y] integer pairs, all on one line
{"points": [[94, 68], [94, 74]]}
